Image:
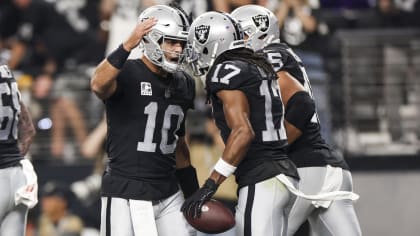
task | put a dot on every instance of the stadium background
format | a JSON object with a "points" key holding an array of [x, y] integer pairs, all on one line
{"points": [[363, 60]]}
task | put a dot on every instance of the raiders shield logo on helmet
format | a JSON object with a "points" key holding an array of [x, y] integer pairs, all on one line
{"points": [[261, 21], [202, 33]]}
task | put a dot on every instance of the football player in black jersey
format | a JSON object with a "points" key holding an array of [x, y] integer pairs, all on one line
{"points": [[18, 180], [308, 150], [248, 110], [146, 105]]}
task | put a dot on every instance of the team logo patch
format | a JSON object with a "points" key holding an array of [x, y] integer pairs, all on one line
{"points": [[261, 21], [146, 89], [202, 33]]}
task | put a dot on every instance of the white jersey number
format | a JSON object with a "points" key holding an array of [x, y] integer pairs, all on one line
{"points": [[9, 117], [151, 111], [271, 134], [275, 59], [225, 79]]}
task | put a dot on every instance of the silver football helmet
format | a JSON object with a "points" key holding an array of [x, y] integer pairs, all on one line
{"points": [[172, 24], [259, 24], [211, 34]]}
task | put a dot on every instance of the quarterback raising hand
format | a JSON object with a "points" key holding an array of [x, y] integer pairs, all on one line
{"points": [[142, 28], [147, 100]]}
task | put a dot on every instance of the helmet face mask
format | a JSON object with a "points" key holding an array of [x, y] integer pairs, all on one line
{"points": [[259, 24], [172, 25], [193, 60], [211, 34]]}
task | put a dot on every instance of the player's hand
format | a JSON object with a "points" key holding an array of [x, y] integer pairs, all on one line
{"points": [[142, 28], [192, 205]]}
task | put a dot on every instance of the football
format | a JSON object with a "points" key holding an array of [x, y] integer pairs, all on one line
{"points": [[215, 218]]}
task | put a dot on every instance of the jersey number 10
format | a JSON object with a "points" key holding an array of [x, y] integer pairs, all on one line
{"points": [[151, 111]]}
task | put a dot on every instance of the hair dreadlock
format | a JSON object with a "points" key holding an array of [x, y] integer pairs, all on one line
{"points": [[247, 55]]}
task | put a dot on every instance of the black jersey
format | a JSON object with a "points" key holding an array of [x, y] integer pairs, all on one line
{"points": [[9, 119], [266, 156], [145, 117], [310, 149]]}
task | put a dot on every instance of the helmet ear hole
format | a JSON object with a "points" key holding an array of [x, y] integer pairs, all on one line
{"points": [[205, 51]]}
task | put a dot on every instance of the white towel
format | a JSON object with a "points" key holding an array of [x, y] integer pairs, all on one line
{"points": [[28, 194], [143, 218], [332, 182], [327, 194]]}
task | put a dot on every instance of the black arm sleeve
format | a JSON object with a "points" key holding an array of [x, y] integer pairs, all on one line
{"points": [[188, 181], [299, 109]]}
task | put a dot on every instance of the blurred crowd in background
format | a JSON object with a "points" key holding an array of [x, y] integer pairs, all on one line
{"points": [[362, 57]]}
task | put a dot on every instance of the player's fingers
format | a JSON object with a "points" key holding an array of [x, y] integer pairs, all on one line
{"points": [[147, 24], [186, 208], [150, 22], [197, 212], [190, 210]]}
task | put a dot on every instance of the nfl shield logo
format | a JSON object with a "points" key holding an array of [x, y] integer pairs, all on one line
{"points": [[261, 21], [202, 33], [146, 89]]}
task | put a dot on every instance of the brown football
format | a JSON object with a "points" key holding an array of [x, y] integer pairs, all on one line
{"points": [[215, 218]]}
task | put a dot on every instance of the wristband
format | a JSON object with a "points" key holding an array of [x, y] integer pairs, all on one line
{"points": [[224, 168], [118, 57]]}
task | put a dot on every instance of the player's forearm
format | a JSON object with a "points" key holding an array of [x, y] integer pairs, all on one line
{"points": [[237, 144], [182, 154], [185, 172], [26, 130], [236, 147], [103, 82]]}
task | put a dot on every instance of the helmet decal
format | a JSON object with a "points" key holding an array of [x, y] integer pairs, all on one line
{"points": [[260, 24], [261, 21], [202, 33], [211, 34]]}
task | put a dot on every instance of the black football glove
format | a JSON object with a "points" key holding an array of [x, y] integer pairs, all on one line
{"points": [[192, 205]]}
